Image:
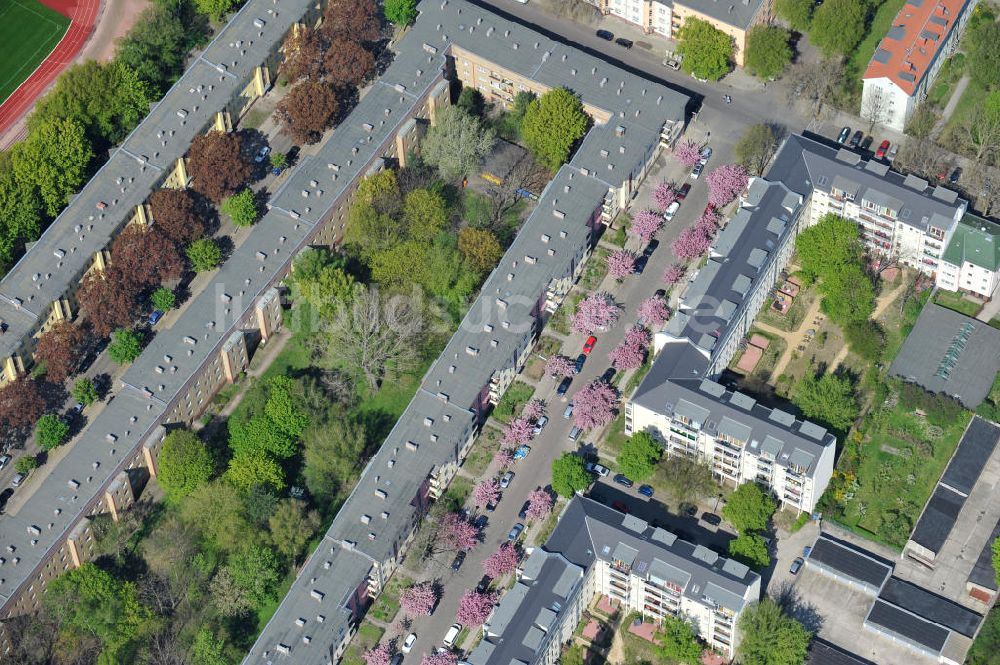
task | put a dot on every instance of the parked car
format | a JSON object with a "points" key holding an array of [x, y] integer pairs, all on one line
{"points": [[492, 505], [711, 518], [523, 513], [671, 210], [484, 583], [806, 551], [646, 491], [564, 386], [452, 635], [624, 43], [574, 433], [650, 248], [522, 452], [580, 359], [539, 425], [620, 506], [4, 497], [856, 139], [457, 562], [78, 407], [706, 153], [408, 642], [262, 154], [481, 522], [660, 293], [505, 479], [397, 659], [588, 346], [568, 411], [672, 64], [844, 133], [955, 175], [866, 143], [606, 35], [796, 566], [696, 171], [623, 480], [683, 191], [640, 264], [892, 153], [883, 147], [609, 374], [599, 469], [154, 316], [18, 479], [515, 532], [4, 461]]}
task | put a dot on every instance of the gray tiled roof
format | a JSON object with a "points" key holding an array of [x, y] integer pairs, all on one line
{"points": [[739, 13]]}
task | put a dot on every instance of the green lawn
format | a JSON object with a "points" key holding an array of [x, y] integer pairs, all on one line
{"points": [[880, 25], [517, 395], [956, 302], [29, 31]]}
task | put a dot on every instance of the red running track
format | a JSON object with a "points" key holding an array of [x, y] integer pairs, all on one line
{"points": [[82, 14]]}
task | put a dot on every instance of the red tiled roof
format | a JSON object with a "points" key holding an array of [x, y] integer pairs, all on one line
{"points": [[920, 28]]}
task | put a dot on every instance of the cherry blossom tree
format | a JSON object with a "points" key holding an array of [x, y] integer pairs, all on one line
{"points": [[519, 431], [631, 351], [455, 533], [725, 182], [419, 599], [533, 410], [621, 264], [688, 153], [380, 655], [539, 505], [504, 560], [654, 311], [663, 195], [486, 492], [708, 223], [559, 367], [673, 274], [691, 242], [440, 658], [594, 405], [503, 458], [474, 607], [598, 311], [645, 224]]}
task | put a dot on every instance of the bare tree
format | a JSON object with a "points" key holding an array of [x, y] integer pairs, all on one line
{"points": [[983, 184], [918, 156], [523, 175], [979, 135], [876, 108], [31, 639], [815, 84], [374, 335], [165, 648]]}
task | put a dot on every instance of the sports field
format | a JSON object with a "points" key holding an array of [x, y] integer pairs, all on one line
{"points": [[28, 32]]}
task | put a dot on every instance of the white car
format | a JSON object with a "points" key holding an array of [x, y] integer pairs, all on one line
{"points": [[539, 425], [451, 635], [4, 461], [696, 171], [262, 154], [599, 469], [408, 642], [505, 481], [671, 210]]}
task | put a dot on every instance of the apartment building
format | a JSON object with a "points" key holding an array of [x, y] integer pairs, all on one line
{"points": [[971, 261], [665, 17], [597, 551], [907, 60]]}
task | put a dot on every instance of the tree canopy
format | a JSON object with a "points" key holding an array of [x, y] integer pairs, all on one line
{"points": [[204, 254], [400, 12], [829, 398], [50, 431], [754, 149], [53, 160], [639, 456], [770, 637], [707, 51], [184, 463], [767, 51], [569, 475], [750, 549], [217, 166], [678, 641], [125, 346], [242, 207], [552, 126], [837, 26], [824, 247], [798, 13], [456, 143], [749, 508]]}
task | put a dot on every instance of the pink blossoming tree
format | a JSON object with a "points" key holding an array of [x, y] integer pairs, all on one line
{"points": [[533, 410], [663, 195], [419, 599], [688, 153], [691, 243], [673, 274], [708, 223], [539, 505], [630, 353], [559, 367], [440, 658], [474, 607], [594, 405], [725, 182], [501, 562], [503, 458], [645, 224], [621, 264], [486, 492], [380, 655], [598, 311], [517, 432], [457, 534], [654, 311]]}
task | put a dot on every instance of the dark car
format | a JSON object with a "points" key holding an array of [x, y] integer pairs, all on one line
{"points": [[154, 316], [867, 143], [4, 496], [650, 248], [619, 506], [458, 561], [609, 374], [844, 133], [955, 175], [492, 505], [606, 35], [646, 491], [481, 522], [484, 584], [796, 566], [515, 532], [523, 513], [624, 480], [640, 264], [564, 386], [660, 293], [711, 518], [624, 43], [856, 139], [683, 191], [580, 359]]}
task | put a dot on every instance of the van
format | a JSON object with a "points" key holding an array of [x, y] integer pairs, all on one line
{"points": [[452, 635], [574, 433]]}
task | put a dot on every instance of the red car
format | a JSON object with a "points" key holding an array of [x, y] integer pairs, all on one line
{"points": [[883, 148], [683, 191], [588, 346]]}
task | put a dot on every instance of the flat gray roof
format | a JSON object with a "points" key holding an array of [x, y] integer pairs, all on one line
{"points": [[850, 561]]}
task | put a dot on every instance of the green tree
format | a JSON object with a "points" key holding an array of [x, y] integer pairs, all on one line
{"points": [[163, 299], [685, 480], [983, 57], [829, 399], [552, 126], [767, 51], [480, 248], [26, 464], [707, 51], [827, 245], [155, 47], [185, 464], [996, 560], [54, 160], [749, 508], [370, 232], [678, 642], [204, 254], [569, 475], [639, 456], [242, 207], [319, 280], [84, 392], [20, 211], [770, 637], [332, 453], [50, 431], [749, 548], [292, 526], [848, 295], [798, 13], [754, 149], [252, 467], [838, 26], [471, 101], [215, 9], [400, 12], [125, 346], [278, 160], [207, 649], [218, 513], [866, 339], [256, 570], [573, 655], [378, 187], [457, 143], [425, 213]]}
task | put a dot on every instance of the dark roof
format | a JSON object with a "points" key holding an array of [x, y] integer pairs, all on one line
{"points": [[983, 574], [908, 626], [850, 561], [974, 450], [824, 653], [938, 519], [930, 606]]}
